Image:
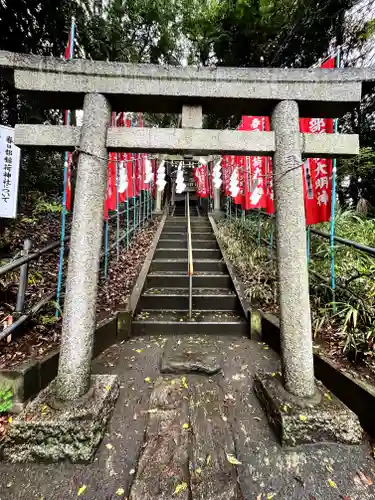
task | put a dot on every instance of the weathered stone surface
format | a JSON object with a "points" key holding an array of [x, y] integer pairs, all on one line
{"points": [[293, 279], [48, 431], [219, 90], [189, 356], [300, 421], [212, 476], [163, 465], [79, 319]]}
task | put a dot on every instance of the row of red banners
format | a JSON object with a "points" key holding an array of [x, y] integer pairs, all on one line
{"points": [[254, 173], [129, 169]]}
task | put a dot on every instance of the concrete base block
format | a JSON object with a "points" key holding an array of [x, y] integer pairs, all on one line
{"points": [[299, 421], [50, 431]]}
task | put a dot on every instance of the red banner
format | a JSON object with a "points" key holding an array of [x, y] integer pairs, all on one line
{"points": [[254, 167], [201, 179], [110, 201], [227, 167], [317, 172]]}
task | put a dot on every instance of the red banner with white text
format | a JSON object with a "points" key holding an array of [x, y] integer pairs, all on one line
{"points": [[201, 180]]}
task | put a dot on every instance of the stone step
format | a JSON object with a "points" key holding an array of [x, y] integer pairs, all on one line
{"points": [[179, 279], [183, 235], [183, 228], [181, 253], [178, 243], [169, 322], [182, 265], [178, 299]]}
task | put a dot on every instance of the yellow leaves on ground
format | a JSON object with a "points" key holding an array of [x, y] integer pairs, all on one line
{"points": [[147, 380], [109, 446], [186, 426], [180, 487], [10, 420], [81, 490], [139, 351], [208, 459], [184, 382], [332, 483], [328, 396], [233, 460], [120, 492], [303, 418]]}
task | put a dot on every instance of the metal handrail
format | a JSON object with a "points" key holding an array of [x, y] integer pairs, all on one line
{"points": [[354, 244], [190, 257]]}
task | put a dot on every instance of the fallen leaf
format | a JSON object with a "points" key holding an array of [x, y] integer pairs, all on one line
{"points": [[109, 446], [81, 490], [10, 420], [184, 382], [186, 426], [139, 351], [107, 387], [233, 460], [180, 487], [198, 470], [332, 483], [147, 380], [328, 396], [208, 459], [366, 480], [303, 418], [120, 492], [270, 496]]}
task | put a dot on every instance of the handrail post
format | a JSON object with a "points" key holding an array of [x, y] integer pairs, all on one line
{"points": [[24, 277], [190, 257]]}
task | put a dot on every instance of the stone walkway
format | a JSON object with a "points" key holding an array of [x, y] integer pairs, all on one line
{"points": [[180, 436]]}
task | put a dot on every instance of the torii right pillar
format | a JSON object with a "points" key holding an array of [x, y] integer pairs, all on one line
{"points": [[295, 403]]}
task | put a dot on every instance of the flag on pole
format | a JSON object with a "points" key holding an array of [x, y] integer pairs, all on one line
{"points": [[317, 172], [69, 51]]}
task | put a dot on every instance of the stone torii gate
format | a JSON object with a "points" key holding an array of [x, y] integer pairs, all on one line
{"points": [[80, 403]]}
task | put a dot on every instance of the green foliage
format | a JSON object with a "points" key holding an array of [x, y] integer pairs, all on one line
{"points": [[43, 205], [350, 320], [356, 178], [48, 320], [6, 399]]}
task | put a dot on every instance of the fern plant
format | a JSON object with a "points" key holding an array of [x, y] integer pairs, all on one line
{"points": [[6, 399]]}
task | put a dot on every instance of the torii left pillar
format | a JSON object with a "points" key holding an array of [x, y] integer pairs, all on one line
{"points": [[79, 319], [76, 403]]}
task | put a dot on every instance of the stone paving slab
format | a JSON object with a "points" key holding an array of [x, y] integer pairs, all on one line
{"points": [[266, 471]]}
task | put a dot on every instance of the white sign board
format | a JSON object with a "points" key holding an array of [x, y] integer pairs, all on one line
{"points": [[9, 173]]}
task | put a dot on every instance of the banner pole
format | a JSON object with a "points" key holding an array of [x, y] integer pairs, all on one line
{"points": [[308, 243], [333, 203], [71, 41], [114, 124], [106, 247]]}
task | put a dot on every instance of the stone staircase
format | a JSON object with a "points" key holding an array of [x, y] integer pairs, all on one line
{"points": [[163, 306]]}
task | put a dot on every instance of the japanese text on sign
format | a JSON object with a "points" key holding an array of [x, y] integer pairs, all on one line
{"points": [[9, 168]]}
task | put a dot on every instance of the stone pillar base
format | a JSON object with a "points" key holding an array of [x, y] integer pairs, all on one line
{"points": [[217, 214], [50, 431], [157, 212], [299, 421]]}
